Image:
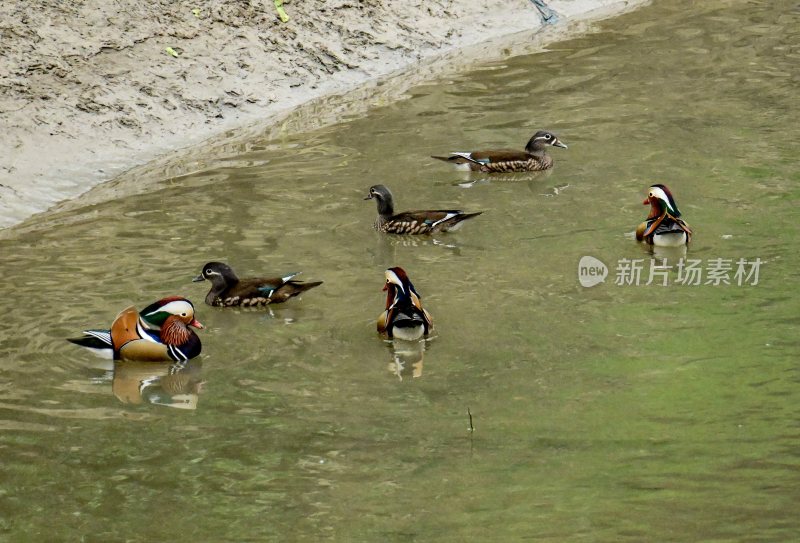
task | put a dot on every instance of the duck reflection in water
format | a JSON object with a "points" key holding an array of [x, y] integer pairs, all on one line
{"points": [[387, 245], [175, 385], [407, 357], [665, 256], [471, 179]]}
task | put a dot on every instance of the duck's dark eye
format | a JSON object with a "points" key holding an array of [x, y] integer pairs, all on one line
{"points": [[208, 271], [183, 314], [548, 137]]}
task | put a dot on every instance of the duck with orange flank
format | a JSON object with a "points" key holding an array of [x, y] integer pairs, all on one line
{"points": [[159, 333]]}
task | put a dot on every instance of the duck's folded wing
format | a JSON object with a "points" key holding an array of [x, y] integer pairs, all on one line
{"points": [[500, 155], [429, 217], [267, 286], [94, 339]]}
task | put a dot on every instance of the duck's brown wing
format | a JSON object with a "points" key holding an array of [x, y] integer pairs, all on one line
{"points": [[418, 222], [429, 216], [500, 155], [254, 287], [292, 288], [426, 221], [269, 289]]}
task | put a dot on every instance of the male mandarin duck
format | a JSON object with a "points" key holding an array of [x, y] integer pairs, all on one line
{"points": [[413, 222], [663, 227], [228, 290], [404, 317], [158, 333], [533, 159]]}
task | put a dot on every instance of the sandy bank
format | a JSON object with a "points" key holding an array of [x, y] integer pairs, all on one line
{"points": [[91, 89]]}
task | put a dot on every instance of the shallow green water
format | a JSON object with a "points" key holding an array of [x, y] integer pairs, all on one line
{"points": [[611, 413]]}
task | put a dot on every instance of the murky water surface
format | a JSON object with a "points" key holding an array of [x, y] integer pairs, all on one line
{"points": [[620, 412]]}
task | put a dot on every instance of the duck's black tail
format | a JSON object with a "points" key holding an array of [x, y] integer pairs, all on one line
{"points": [[93, 339]]}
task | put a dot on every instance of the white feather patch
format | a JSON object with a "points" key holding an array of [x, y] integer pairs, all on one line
{"points": [[392, 278], [102, 335], [143, 333], [408, 334], [176, 307], [446, 218], [675, 239]]}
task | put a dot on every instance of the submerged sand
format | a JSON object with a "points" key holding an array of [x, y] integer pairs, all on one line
{"points": [[91, 89]]}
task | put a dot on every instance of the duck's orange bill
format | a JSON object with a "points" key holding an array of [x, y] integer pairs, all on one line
{"points": [[196, 324]]}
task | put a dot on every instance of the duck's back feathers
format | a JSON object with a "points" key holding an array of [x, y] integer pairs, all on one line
{"points": [[665, 231], [408, 323], [263, 291], [424, 222], [500, 155]]}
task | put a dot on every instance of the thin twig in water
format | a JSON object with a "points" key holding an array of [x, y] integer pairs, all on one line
{"points": [[471, 427]]}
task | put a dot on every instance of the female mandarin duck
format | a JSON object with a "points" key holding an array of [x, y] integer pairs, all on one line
{"points": [[663, 227], [533, 159], [159, 333], [413, 222], [228, 290], [404, 317]]}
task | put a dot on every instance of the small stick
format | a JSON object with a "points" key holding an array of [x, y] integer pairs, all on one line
{"points": [[471, 427]]}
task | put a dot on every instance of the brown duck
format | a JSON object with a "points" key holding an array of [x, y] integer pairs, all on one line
{"points": [[413, 222], [228, 290], [533, 158]]}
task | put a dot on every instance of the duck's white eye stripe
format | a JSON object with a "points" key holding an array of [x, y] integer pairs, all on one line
{"points": [[661, 195], [391, 277], [176, 308]]}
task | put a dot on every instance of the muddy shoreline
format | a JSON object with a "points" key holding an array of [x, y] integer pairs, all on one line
{"points": [[88, 93]]}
